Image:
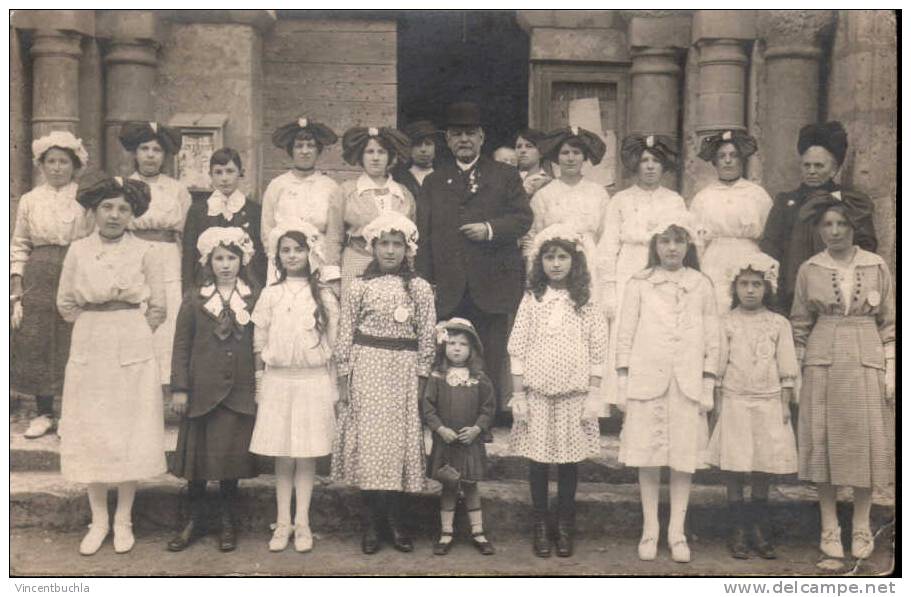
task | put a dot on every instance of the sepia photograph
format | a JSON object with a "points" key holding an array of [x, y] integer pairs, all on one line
{"points": [[338, 292]]}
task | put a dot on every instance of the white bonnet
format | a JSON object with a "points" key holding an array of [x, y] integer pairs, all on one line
{"points": [[562, 231], [64, 139], [393, 222], [675, 217], [314, 241], [218, 236], [759, 263]]}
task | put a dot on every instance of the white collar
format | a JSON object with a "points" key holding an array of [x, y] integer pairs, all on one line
{"points": [[555, 294], [365, 183], [861, 258], [215, 304], [310, 178], [226, 206], [467, 167]]}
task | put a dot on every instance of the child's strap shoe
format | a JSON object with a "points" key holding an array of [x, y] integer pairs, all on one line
{"points": [[281, 534], [648, 548], [680, 551], [303, 538], [93, 540], [442, 546], [862, 544], [484, 546], [123, 537]]}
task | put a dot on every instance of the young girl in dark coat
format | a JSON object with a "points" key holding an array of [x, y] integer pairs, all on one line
{"points": [[225, 207], [458, 406], [213, 382]]}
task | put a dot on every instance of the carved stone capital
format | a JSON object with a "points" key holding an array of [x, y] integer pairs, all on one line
{"points": [[794, 28]]}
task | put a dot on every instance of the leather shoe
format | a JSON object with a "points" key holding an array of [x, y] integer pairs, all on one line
{"points": [[564, 539], [370, 542], [400, 541], [484, 546], [190, 533], [541, 543], [737, 543], [441, 548]]}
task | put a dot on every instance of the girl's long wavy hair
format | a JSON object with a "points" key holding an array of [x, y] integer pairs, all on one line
{"points": [[320, 314], [578, 281], [474, 363], [690, 260], [244, 273]]}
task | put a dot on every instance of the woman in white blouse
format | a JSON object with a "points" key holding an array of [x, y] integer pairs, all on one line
{"points": [[623, 250], [731, 211], [162, 225], [48, 219], [302, 193]]}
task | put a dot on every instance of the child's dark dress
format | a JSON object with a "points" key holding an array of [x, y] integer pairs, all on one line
{"points": [[213, 363], [471, 402]]}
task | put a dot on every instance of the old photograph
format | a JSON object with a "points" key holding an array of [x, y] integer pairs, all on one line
{"points": [[525, 292]]}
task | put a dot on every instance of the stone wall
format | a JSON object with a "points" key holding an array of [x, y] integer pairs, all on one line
{"points": [[215, 68], [863, 94], [339, 72]]}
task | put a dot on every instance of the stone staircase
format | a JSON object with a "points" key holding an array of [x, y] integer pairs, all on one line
{"points": [[608, 496]]}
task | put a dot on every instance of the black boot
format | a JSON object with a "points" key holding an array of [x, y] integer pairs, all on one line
{"points": [[566, 529], [370, 541], [196, 518], [227, 539], [541, 544], [737, 542], [397, 534], [760, 529]]}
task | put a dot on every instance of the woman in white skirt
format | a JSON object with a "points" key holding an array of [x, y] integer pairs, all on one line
{"points": [[667, 358], [296, 322], [112, 428]]}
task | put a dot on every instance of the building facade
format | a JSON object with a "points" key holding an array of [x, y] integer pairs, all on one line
{"points": [[236, 75]]}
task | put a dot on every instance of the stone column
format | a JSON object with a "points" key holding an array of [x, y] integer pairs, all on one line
{"points": [[131, 63], [55, 81], [789, 91]]}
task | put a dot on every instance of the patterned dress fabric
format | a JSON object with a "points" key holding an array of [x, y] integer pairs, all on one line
{"points": [[732, 219], [556, 348], [757, 361], [47, 221], [295, 417], [846, 430], [379, 445], [289, 199], [168, 212], [112, 425]]}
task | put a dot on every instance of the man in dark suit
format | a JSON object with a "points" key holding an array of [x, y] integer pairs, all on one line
{"points": [[471, 214]]}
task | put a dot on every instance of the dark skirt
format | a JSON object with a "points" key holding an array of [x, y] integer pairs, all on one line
{"points": [[41, 346], [214, 446], [470, 460]]}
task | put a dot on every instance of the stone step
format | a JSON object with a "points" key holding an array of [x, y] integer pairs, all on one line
{"points": [[43, 454], [45, 500]]}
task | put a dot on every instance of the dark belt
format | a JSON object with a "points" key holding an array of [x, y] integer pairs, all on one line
{"points": [[110, 306], [386, 343], [161, 236]]}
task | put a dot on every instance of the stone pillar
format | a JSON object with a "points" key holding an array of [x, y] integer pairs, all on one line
{"points": [[91, 104], [20, 151], [657, 45], [789, 90], [863, 95], [130, 62], [55, 81]]}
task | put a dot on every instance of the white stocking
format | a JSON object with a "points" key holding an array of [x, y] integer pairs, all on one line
{"points": [[863, 503], [680, 499], [98, 502], [649, 486], [304, 476], [827, 510], [284, 483]]}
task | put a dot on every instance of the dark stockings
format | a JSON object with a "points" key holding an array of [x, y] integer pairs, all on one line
{"points": [[749, 519], [567, 481], [45, 405]]}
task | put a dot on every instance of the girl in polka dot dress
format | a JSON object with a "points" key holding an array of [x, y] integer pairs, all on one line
{"points": [[384, 352], [296, 321], [557, 348]]}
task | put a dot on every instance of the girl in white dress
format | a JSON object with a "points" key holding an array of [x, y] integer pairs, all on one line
{"points": [[731, 212], [667, 359], [303, 192], [162, 225], [623, 249], [296, 322], [112, 427], [556, 348], [753, 434], [48, 219]]}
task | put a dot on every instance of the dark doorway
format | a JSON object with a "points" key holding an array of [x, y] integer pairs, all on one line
{"points": [[448, 56]]}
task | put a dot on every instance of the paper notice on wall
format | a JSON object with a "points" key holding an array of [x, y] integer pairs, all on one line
{"points": [[586, 113]]}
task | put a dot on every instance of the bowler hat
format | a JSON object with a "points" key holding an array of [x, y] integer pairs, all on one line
{"points": [[463, 114]]}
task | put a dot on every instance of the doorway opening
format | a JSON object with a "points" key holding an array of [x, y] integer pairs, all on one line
{"points": [[463, 55]]}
